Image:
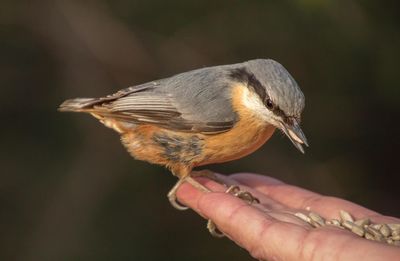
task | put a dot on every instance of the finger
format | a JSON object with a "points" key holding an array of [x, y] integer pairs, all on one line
{"points": [[298, 198]]}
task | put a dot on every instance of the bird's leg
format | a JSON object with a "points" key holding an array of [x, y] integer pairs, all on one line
{"points": [[183, 178], [237, 192], [196, 184]]}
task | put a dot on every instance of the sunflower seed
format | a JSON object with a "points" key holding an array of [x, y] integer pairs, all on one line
{"points": [[389, 241], [345, 216], [394, 226], [317, 219], [303, 217], [369, 236], [336, 222], [377, 234], [315, 224], [376, 226], [385, 230], [388, 233], [348, 224], [358, 230], [363, 222], [395, 232], [396, 238]]}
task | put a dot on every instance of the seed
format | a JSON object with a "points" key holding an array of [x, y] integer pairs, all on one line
{"points": [[394, 226], [395, 232], [376, 226], [315, 224], [303, 217], [348, 224], [385, 230], [373, 231], [396, 237], [358, 230], [369, 236], [317, 218], [363, 222], [377, 234], [345, 216], [389, 241], [336, 222], [379, 238], [388, 233]]}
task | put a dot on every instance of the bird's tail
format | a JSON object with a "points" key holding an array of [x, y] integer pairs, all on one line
{"points": [[78, 104]]}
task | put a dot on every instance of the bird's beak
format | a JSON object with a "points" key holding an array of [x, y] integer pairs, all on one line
{"points": [[295, 134]]}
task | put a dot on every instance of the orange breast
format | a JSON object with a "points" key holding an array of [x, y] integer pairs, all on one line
{"points": [[249, 134]]}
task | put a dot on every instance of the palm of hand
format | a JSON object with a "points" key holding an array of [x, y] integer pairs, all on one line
{"points": [[270, 230]]}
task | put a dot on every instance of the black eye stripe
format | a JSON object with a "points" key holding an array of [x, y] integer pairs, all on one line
{"points": [[242, 75]]}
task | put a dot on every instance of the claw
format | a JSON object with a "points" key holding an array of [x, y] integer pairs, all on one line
{"points": [[244, 195], [212, 228], [233, 190], [248, 197], [174, 201], [172, 196], [172, 193]]}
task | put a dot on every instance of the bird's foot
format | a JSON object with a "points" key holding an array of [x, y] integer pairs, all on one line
{"points": [[172, 193], [234, 190], [244, 195], [237, 192]]}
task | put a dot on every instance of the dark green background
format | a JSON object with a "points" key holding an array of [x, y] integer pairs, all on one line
{"points": [[68, 189]]}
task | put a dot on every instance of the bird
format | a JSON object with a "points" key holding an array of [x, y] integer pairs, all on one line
{"points": [[204, 116]]}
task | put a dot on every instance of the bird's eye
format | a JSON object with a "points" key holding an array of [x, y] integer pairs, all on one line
{"points": [[269, 104]]}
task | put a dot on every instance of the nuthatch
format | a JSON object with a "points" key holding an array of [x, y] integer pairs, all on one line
{"points": [[209, 115]]}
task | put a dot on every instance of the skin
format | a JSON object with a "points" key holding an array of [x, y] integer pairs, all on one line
{"points": [[274, 233]]}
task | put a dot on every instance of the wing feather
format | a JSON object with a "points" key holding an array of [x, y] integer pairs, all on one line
{"points": [[157, 103]]}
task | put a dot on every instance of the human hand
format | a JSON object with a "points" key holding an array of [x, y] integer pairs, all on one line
{"points": [[269, 230]]}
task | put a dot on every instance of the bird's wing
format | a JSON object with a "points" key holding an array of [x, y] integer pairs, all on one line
{"points": [[167, 103]]}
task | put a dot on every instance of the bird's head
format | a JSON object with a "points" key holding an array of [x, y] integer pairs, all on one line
{"points": [[274, 96]]}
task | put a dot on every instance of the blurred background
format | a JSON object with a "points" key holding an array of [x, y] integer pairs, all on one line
{"points": [[70, 191]]}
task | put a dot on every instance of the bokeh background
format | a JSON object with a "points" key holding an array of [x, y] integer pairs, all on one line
{"points": [[69, 190]]}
